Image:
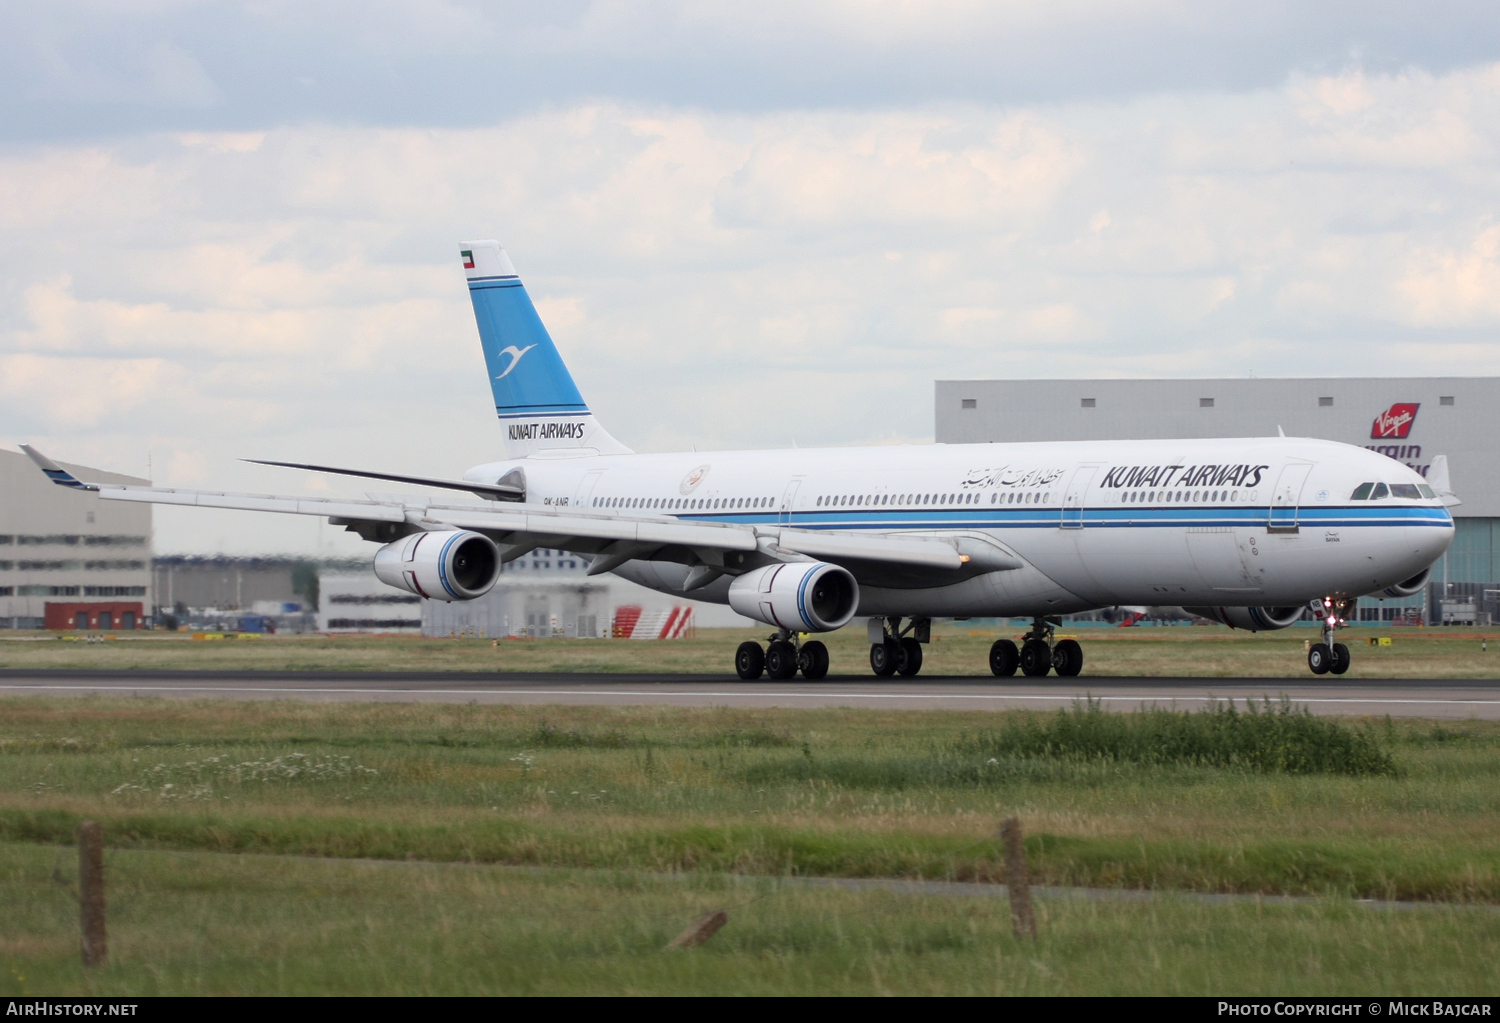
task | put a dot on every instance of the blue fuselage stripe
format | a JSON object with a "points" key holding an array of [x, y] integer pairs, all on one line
{"points": [[1097, 518]]}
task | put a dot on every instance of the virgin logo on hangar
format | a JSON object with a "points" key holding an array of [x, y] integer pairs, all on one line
{"points": [[1395, 421]]}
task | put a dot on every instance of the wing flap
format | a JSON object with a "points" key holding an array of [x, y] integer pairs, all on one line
{"points": [[872, 547], [721, 536], [367, 510]]}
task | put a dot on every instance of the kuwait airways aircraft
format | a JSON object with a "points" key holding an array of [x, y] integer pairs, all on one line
{"points": [[1247, 532]]}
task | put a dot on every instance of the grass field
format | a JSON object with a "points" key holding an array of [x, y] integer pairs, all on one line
{"points": [[1206, 651], [235, 833], [215, 924], [827, 792]]}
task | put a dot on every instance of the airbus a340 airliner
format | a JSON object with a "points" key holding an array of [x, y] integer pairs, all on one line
{"points": [[1247, 532]]}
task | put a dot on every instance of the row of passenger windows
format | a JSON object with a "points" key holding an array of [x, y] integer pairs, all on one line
{"points": [[1376, 491], [841, 501], [1364, 492], [1184, 496], [920, 500], [682, 502]]}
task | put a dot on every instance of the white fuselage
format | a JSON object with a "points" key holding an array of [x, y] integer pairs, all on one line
{"points": [[1252, 522]]}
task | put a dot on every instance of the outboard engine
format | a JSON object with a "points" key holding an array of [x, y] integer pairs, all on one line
{"points": [[802, 597], [1411, 587], [1251, 619], [449, 564]]}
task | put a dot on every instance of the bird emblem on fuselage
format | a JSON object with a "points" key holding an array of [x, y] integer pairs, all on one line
{"points": [[515, 357]]}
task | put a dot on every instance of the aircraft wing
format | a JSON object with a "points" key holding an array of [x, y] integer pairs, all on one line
{"points": [[612, 539]]}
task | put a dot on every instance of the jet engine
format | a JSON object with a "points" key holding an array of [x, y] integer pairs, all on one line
{"points": [[803, 597], [449, 564], [1251, 619], [1409, 588]]}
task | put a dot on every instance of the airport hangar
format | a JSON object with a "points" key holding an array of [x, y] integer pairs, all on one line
{"points": [[1410, 419], [67, 559]]}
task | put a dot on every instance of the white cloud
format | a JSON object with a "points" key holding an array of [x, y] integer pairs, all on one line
{"points": [[725, 278]]}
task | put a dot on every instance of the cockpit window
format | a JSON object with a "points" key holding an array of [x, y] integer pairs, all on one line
{"points": [[1408, 491], [1380, 491], [1427, 491], [1362, 492]]}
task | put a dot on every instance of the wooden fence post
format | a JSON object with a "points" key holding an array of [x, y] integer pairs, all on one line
{"points": [[700, 930], [1017, 885], [91, 892]]}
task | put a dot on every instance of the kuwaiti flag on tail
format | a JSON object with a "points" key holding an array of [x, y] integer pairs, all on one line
{"points": [[535, 396]]}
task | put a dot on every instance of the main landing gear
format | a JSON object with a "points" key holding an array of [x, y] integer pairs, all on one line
{"points": [[782, 658], [1328, 656], [898, 651], [1037, 654]]}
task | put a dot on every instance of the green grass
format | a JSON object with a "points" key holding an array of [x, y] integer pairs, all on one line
{"points": [[214, 924], [827, 792], [957, 649], [1264, 737]]}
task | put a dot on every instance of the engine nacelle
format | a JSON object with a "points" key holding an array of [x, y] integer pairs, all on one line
{"points": [[802, 597], [449, 564], [1411, 587], [1251, 619]]}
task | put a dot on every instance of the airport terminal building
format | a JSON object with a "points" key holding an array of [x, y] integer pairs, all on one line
{"points": [[1411, 420]]}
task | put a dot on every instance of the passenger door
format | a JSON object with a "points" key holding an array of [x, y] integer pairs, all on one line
{"points": [[784, 514], [586, 489], [1286, 497], [1078, 487]]}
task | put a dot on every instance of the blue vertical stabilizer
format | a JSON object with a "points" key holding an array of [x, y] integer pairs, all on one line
{"points": [[535, 396]]}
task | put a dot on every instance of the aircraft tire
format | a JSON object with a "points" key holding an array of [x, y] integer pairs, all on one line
{"points": [[883, 659], [1036, 658], [1067, 658], [1341, 659], [1004, 658], [909, 657], [813, 660], [781, 660], [749, 661], [1319, 658]]}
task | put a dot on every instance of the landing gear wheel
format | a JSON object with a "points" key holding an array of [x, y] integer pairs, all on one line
{"points": [[883, 658], [1341, 659], [909, 657], [1004, 658], [1319, 658], [781, 660], [813, 660], [1067, 658], [1036, 658], [749, 661]]}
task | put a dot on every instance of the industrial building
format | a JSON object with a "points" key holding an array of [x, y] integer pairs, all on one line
{"points": [[1410, 419], [67, 559], [549, 593]]}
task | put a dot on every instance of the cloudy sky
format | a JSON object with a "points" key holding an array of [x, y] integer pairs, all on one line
{"points": [[230, 229]]}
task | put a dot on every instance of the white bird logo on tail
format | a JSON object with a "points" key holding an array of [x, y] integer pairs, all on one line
{"points": [[515, 357]]}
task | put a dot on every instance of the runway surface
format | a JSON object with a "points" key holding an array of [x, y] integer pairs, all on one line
{"points": [[1435, 698]]}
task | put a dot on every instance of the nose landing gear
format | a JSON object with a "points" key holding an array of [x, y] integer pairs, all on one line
{"points": [[1037, 655], [782, 658], [1329, 657]]}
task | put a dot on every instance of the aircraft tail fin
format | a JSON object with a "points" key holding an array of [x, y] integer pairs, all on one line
{"points": [[538, 404], [1437, 478]]}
